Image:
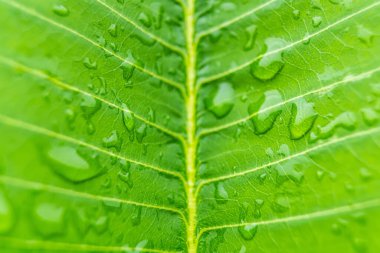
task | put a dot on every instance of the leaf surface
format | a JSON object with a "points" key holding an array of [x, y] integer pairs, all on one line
{"points": [[197, 126]]}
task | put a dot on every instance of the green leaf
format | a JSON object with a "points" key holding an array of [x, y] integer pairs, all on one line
{"points": [[189, 126]]}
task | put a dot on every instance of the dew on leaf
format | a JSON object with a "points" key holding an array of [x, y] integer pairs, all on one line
{"points": [[370, 116], [228, 6], [221, 99], [283, 150], [272, 61], [61, 10], [145, 19], [316, 21], [72, 165], [291, 170], [221, 195], [49, 218], [248, 232], [141, 132], [365, 174], [113, 141], [128, 118], [320, 174], [257, 210], [316, 4], [250, 33], [265, 115], [125, 176], [128, 70], [100, 224], [136, 216], [302, 119], [89, 106], [346, 120], [89, 64], [112, 30], [281, 204], [296, 14], [7, 215], [365, 35]]}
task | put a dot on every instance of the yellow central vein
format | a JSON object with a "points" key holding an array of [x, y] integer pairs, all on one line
{"points": [[191, 144]]}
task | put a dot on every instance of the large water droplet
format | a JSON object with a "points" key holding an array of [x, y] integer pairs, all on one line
{"points": [[67, 162], [303, 118], [7, 217], [265, 115], [221, 99], [272, 62], [248, 232], [128, 118]]}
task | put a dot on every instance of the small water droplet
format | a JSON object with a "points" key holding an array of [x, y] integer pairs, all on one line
{"points": [[128, 118], [257, 210], [100, 224], [49, 219], [265, 115], [316, 4], [141, 132], [7, 217], [113, 141], [365, 174], [221, 195], [145, 19], [272, 62], [89, 106], [61, 10], [296, 14], [250, 32], [370, 116], [221, 99], [136, 216], [248, 232], [303, 118], [89, 64], [112, 30], [316, 21], [365, 35], [281, 204]]}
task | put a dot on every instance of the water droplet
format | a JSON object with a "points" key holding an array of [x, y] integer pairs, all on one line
{"points": [[316, 4], [112, 30], [360, 245], [272, 62], [365, 174], [370, 116], [303, 118], [320, 174], [221, 195], [7, 217], [128, 118], [128, 70], [89, 64], [345, 120], [221, 99], [61, 10], [145, 19], [281, 204], [72, 165], [250, 32], [265, 115], [89, 106], [248, 232], [49, 219], [141, 132], [296, 14], [316, 21], [100, 224], [365, 35], [257, 210], [70, 117], [125, 176], [283, 150], [243, 249], [228, 6], [113, 141], [291, 169], [136, 216]]}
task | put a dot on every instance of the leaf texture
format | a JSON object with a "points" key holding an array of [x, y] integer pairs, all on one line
{"points": [[189, 126]]}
